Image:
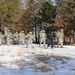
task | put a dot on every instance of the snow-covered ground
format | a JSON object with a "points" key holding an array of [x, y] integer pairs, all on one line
{"points": [[39, 60]]}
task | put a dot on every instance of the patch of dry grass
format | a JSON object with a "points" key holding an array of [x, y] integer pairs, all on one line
{"points": [[3, 62], [73, 44], [42, 58], [1, 54], [45, 68]]}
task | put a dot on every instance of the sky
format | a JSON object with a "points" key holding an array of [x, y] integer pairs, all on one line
{"points": [[24, 2]]}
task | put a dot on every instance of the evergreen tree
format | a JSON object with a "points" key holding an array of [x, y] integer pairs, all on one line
{"points": [[66, 15], [10, 10], [47, 12]]}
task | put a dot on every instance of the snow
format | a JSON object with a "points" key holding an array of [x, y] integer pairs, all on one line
{"points": [[39, 60]]}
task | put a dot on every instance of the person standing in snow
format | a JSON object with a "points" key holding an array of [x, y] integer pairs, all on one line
{"points": [[30, 38], [21, 38], [50, 39], [57, 37], [9, 38], [42, 37], [1, 38], [16, 38], [5, 35], [61, 38]]}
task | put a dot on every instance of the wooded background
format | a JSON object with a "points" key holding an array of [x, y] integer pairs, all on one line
{"points": [[18, 15]]}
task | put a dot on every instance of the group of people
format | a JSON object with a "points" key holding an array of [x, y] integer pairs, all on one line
{"points": [[50, 37], [21, 38], [9, 38]]}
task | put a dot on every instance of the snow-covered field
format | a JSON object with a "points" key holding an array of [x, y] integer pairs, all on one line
{"points": [[39, 60]]}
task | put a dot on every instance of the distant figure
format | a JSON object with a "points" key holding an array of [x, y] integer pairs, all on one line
{"points": [[5, 34], [9, 38], [1, 38], [61, 38], [21, 38], [42, 37], [57, 36], [6, 31], [16, 38], [50, 39], [29, 38]]}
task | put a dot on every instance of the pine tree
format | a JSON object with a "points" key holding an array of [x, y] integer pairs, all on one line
{"points": [[66, 15], [10, 10]]}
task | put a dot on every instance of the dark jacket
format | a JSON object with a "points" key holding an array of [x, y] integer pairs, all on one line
{"points": [[50, 39], [50, 36]]}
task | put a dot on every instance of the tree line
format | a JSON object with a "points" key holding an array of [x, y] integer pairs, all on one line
{"points": [[60, 13]]}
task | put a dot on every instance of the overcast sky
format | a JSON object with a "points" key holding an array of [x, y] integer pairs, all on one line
{"points": [[24, 2]]}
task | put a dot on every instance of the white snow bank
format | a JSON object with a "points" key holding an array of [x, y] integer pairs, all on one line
{"points": [[13, 53]]}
